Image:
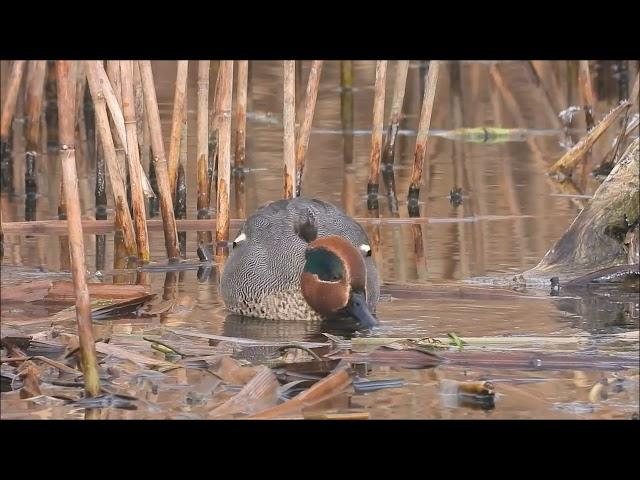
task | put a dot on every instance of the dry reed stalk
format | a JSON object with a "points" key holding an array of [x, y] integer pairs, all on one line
{"points": [[305, 128], [586, 89], [8, 110], [181, 182], [112, 93], [202, 127], [176, 122], [288, 115], [346, 109], [123, 218], [224, 157], [241, 114], [66, 121], [144, 136], [388, 156], [159, 160], [135, 167], [34, 99], [376, 134], [11, 99], [423, 133]]}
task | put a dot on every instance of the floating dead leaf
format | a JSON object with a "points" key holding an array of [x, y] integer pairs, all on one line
{"points": [[259, 392], [29, 373], [232, 372], [326, 388]]}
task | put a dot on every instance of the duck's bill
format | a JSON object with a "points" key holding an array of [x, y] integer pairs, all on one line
{"points": [[357, 308]]}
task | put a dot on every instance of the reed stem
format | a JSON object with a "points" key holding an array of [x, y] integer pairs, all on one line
{"points": [[241, 114], [135, 167], [159, 160], [202, 127], [307, 120], [388, 157], [6, 120], [224, 157], [123, 217], [346, 109], [376, 135], [176, 122], [35, 94], [289, 112], [66, 121], [423, 136]]}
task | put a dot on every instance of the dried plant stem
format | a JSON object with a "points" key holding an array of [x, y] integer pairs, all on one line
{"points": [[202, 127], [123, 217], [159, 160], [305, 129], [224, 157], [176, 122], [289, 112], [423, 132], [241, 114], [402, 69], [135, 167], [66, 120], [8, 110], [586, 88], [376, 134]]}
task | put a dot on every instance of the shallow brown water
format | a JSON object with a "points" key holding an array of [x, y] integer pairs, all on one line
{"points": [[510, 216]]}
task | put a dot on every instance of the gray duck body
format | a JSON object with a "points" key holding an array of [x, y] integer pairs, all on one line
{"points": [[261, 277]]}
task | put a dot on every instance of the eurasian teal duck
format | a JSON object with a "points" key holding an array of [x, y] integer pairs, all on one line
{"points": [[302, 259]]}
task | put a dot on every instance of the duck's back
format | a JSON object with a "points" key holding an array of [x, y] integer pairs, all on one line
{"points": [[262, 274]]}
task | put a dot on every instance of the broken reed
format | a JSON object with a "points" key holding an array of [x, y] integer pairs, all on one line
{"points": [[388, 157], [307, 120], [116, 174], [376, 135], [241, 115], [289, 112], [224, 156], [423, 135], [8, 110], [159, 160], [179, 100], [66, 121], [135, 167], [202, 152], [181, 180], [241, 133], [35, 94], [346, 109]]}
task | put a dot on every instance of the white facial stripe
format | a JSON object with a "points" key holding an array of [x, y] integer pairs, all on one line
{"points": [[365, 248], [240, 238]]}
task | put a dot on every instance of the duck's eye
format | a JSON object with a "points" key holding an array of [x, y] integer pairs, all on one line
{"points": [[240, 238], [366, 249]]}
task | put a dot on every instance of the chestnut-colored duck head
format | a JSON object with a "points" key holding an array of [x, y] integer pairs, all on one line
{"points": [[334, 279]]}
